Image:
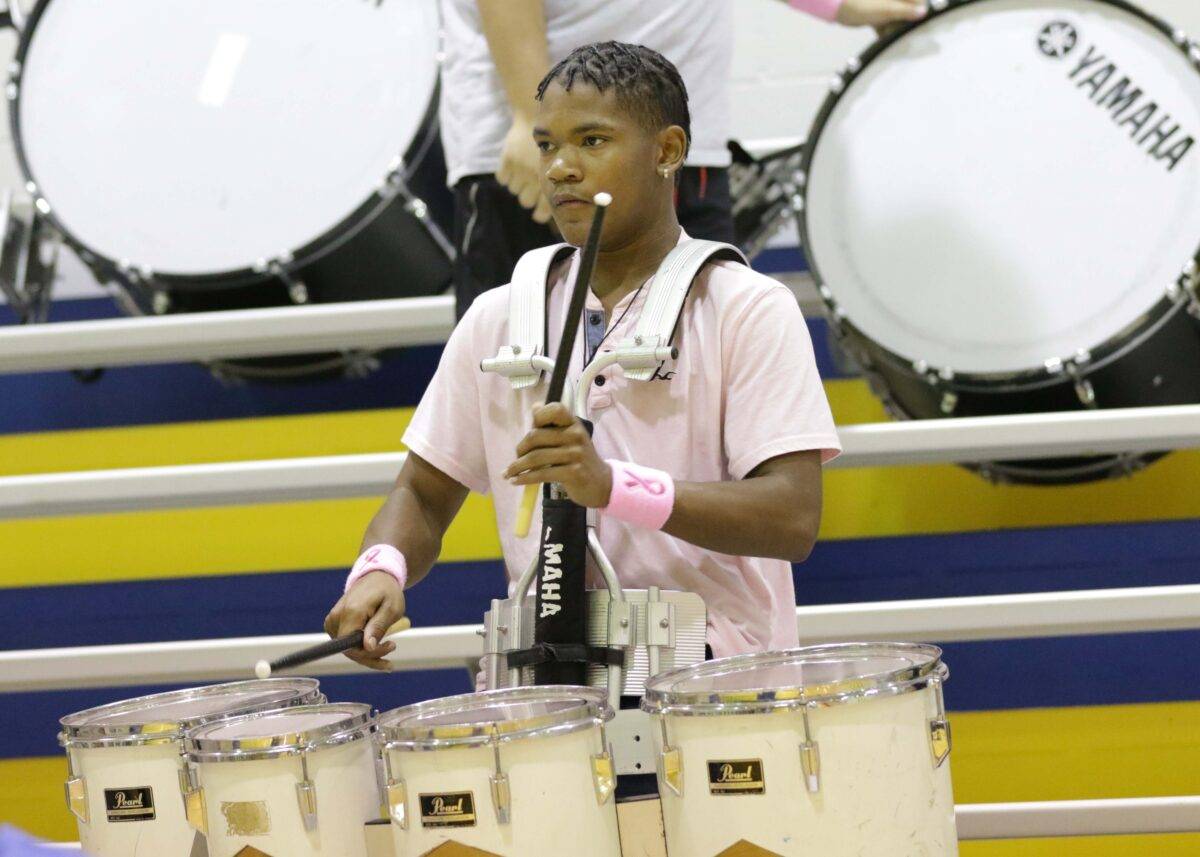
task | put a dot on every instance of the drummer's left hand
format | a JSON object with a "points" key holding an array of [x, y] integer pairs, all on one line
{"points": [[878, 13], [559, 449]]}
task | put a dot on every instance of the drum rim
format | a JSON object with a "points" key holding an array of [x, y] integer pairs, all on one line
{"points": [[393, 184], [409, 735], [1175, 298], [358, 724], [78, 732], [660, 699]]}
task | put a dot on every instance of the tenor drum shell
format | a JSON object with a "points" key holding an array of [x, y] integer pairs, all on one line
{"points": [[151, 766], [254, 803], [553, 798], [135, 748], [880, 793]]}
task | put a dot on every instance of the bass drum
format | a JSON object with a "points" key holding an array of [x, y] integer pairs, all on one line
{"points": [[999, 210], [229, 155]]}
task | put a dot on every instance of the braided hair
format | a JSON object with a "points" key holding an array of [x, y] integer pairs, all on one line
{"points": [[647, 84]]}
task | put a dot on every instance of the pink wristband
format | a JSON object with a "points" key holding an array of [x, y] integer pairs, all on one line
{"points": [[640, 495], [824, 9], [379, 558]]}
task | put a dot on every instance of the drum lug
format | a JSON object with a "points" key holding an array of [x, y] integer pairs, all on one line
{"points": [[940, 741], [501, 791], [76, 792], [604, 776], [810, 755], [306, 796], [194, 809], [397, 798], [1083, 387], [670, 763], [396, 793], [296, 289], [810, 761]]}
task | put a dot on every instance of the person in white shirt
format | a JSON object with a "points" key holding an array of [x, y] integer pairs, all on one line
{"points": [[496, 52]]}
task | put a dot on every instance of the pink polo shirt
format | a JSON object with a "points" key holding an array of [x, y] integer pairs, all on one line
{"points": [[744, 389]]}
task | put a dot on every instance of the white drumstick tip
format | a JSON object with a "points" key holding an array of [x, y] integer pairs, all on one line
{"points": [[262, 669], [602, 199]]}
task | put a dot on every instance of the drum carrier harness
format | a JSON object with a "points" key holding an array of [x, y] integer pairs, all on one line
{"points": [[561, 637]]}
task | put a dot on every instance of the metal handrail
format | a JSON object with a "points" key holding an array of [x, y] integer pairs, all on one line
{"points": [[946, 620], [355, 325], [328, 477]]}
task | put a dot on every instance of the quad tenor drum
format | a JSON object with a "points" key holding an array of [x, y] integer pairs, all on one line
{"points": [[294, 783], [837, 750], [515, 772], [124, 762]]}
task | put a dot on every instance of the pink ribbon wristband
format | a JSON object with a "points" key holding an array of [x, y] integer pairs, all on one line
{"points": [[641, 496], [824, 9], [379, 558]]}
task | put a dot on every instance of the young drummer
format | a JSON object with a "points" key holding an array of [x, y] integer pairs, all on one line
{"points": [[729, 437]]}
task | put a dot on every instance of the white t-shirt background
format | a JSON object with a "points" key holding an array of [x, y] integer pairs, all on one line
{"points": [[696, 35]]}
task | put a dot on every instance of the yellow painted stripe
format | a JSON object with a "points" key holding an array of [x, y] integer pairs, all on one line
{"points": [[201, 542], [342, 433], [292, 536], [1051, 754], [859, 503]]}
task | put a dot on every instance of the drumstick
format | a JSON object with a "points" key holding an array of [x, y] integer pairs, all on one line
{"points": [[558, 378], [262, 669]]}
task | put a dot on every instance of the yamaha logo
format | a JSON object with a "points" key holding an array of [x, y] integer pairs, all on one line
{"points": [[1141, 116], [1057, 39]]}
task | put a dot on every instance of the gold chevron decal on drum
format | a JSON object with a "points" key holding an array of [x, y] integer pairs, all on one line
{"points": [[457, 849], [251, 851], [742, 848]]}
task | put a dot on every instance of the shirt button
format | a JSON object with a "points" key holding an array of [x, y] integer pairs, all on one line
{"points": [[599, 380], [595, 318]]}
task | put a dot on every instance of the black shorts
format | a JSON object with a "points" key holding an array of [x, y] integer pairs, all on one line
{"points": [[492, 231]]}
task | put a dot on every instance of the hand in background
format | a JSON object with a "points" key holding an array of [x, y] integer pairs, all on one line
{"points": [[520, 167], [880, 13]]}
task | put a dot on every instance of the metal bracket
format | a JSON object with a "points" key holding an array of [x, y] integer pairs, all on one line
{"points": [[512, 361], [810, 755], [660, 628], [620, 636], [306, 795], [670, 762], [643, 352], [501, 790]]}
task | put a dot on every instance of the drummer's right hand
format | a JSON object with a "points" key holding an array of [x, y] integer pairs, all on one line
{"points": [[373, 605]]}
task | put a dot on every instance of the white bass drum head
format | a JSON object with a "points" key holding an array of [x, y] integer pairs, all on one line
{"points": [[1012, 181], [204, 136]]}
